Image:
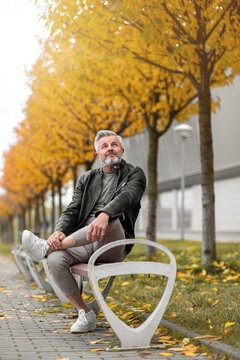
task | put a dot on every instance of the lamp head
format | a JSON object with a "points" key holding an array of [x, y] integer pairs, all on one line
{"points": [[183, 130]]}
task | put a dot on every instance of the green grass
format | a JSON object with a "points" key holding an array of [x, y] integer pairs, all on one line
{"points": [[205, 299]]}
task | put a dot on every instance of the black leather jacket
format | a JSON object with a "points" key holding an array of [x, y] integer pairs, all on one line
{"points": [[125, 203]]}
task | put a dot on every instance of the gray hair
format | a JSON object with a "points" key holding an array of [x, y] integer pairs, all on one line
{"points": [[104, 133]]}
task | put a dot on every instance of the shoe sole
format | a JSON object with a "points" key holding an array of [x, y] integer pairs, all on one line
{"points": [[89, 328]]}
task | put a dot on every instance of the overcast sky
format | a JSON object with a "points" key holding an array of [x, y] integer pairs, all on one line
{"points": [[20, 29]]}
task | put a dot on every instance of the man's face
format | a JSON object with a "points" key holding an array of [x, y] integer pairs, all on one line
{"points": [[109, 150]]}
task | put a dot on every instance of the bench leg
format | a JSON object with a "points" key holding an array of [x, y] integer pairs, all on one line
{"points": [[40, 281], [93, 305], [20, 260]]}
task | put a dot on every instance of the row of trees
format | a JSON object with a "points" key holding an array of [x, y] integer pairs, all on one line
{"points": [[125, 66]]}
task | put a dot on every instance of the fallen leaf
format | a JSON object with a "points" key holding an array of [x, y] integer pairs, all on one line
{"points": [[229, 324], [191, 347], [215, 339], [165, 354], [97, 350], [185, 341], [67, 305], [173, 315], [189, 353], [95, 342]]}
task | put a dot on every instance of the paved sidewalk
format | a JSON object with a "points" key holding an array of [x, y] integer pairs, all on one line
{"points": [[34, 326]]}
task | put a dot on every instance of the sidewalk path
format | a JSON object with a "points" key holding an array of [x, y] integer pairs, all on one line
{"points": [[34, 326]]}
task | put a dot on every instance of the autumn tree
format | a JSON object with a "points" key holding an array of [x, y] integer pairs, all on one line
{"points": [[155, 96], [200, 40], [194, 39]]}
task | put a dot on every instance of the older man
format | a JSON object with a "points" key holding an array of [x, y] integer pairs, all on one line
{"points": [[104, 208]]}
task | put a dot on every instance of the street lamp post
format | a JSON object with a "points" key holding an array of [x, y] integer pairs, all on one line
{"points": [[183, 131]]}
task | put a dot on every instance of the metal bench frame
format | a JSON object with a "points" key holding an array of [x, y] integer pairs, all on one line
{"points": [[93, 271], [142, 335]]}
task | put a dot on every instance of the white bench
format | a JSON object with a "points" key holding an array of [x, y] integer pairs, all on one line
{"points": [[131, 337], [93, 271], [19, 256]]}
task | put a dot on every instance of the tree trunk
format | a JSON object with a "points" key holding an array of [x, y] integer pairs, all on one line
{"points": [[208, 199], [59, 187], [29, 217], [53, 220], [74, 172], [88, 165], [21, 222], [152, 189], [37, 226], [44, 219], [7, 231]]}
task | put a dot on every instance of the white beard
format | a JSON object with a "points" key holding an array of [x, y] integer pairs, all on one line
{"points": [[112, 161]]}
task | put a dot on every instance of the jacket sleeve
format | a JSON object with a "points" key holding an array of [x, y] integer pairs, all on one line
{"points": [[69, 218], [128, 195]]}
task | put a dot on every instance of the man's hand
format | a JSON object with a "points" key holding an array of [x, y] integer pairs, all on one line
{"points": [[98, 227], [55, 239]]}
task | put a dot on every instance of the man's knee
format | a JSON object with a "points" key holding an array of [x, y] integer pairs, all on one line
{"points": [[57, 260]]}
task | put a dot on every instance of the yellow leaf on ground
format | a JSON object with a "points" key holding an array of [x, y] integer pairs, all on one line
{"points": [[189, 353], [97, 350], [165, 354], [95, 342], [112, 304], [148, 287], [173, 315], [125, 283], [185, 341], [229, 324], [191, 347], [127, 314], [68, 304]]}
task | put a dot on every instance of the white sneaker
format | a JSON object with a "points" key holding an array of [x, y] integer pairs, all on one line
{"points": [[35, 247], [85, 322]]}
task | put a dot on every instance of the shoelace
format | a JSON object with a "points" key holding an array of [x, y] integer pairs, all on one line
{"points": [[81, 316]]}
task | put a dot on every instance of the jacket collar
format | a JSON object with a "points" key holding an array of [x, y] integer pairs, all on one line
{"points": [[118, 166]]}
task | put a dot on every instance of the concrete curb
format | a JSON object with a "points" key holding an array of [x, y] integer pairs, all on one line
{"points": [[217, 346]]}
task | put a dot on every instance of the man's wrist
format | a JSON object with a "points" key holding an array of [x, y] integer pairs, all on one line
{"points": [[105, 214]]}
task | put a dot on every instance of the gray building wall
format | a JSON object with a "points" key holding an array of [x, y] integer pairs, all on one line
{"points": [[226, 145]]}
